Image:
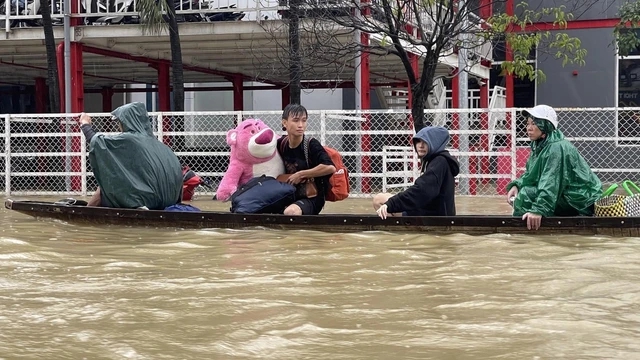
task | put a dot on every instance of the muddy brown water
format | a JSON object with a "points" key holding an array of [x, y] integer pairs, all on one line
{"points": [[107, 292]]}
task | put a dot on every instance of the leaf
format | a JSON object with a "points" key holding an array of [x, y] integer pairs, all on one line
{"points": [[151, 15], [627, 36]]}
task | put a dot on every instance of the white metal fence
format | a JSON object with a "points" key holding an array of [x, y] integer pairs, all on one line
{"points": [[45, 154]]}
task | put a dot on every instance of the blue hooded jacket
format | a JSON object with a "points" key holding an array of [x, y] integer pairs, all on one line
{"points": [[433, 193]]}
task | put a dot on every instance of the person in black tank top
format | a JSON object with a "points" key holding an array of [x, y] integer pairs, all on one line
{"points": [[315, 166]]}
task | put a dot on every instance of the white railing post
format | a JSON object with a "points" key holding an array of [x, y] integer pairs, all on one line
{"points": [[323, 127], [83, 163], [239, 119], [513, 145], [7, 154], [160, 127], [7, 13]]}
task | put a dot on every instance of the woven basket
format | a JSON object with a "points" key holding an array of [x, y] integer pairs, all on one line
{"points": [[631, 202], [610, 205]]}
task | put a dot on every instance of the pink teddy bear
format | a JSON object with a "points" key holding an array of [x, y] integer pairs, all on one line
{"points": [[253, 153]]}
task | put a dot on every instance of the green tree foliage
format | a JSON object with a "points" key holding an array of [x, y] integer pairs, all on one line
{"points": [[431, 29], [522, 38], [627, 31], [156, 16]]}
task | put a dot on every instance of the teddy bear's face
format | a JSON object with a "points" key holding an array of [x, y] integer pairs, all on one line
{"points": [[253, 141]]}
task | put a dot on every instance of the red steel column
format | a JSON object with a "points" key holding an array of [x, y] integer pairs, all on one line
{"points": [[365, 102], [41, 95], [77, 106], [77, 78], [484, 125], [486, 9], [238, 93], [509, 82], [107, 99], [286, 96], [77, 97], [164, 99], [455, 104], [413, 59], [60, 59], [509, 57], [164, 88]]}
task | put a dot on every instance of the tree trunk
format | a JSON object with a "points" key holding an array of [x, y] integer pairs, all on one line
{"points": [[420, 92], [52, 61], [177, 78], [176, 59], [418, 101], [295, 60]]}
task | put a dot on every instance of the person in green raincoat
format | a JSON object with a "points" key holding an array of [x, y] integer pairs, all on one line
{"points": [[133, 169], [557, 180]]}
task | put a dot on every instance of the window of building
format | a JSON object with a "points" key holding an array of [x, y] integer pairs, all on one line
{"points": [[628, 119]]}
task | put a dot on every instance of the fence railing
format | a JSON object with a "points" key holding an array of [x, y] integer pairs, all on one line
{"points": [[45, 154]]}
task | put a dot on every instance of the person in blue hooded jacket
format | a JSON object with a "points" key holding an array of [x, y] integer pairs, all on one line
{"points": [[433, 193]]}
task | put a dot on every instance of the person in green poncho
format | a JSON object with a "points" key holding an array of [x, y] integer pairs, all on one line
{"points": [[133, 169], [557, 180]]}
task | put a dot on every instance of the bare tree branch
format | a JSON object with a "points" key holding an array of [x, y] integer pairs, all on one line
{"points": [[429, 29]]}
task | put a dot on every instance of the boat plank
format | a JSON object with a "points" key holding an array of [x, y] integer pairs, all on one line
{"points": [[343, 223]]}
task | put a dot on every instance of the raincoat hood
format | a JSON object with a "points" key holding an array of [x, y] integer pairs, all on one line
{"points": [[436, 137], [133, 168], [551, 137], [134, 118]]}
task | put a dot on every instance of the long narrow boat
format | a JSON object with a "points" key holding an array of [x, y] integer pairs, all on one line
{"points": [[343, 223]]}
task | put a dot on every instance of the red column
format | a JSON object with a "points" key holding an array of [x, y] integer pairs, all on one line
{"points": [[365, 102], [486, 9], [60, 59], [484, 125], [286, 96], [77, 78], [455, 104], [413, 59], [77, 106], [41, 95], [107, 99], [238, 93], [77, 70], [164, 99], [509, 82]]}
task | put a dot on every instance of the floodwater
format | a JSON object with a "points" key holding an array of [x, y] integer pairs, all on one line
{"points": [[89, 292]]}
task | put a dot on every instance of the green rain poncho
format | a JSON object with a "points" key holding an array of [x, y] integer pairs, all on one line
{"points": [[557, 180], [134, 169]]}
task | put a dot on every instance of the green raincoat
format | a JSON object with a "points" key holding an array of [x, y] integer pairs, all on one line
{"points": [[134, 169], [557, 180]]}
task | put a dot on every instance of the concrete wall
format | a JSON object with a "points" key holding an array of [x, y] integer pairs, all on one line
{"points": [[594, 86]]}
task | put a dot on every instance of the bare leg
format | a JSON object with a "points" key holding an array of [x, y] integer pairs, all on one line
{"points": [[95, 199], [380, 199], [293, 210]]}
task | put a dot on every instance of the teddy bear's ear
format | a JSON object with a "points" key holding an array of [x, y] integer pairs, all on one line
{"points": [[232, 137]]}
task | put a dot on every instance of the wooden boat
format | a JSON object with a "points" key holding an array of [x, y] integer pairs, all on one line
{"points": [[342, 223]]}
